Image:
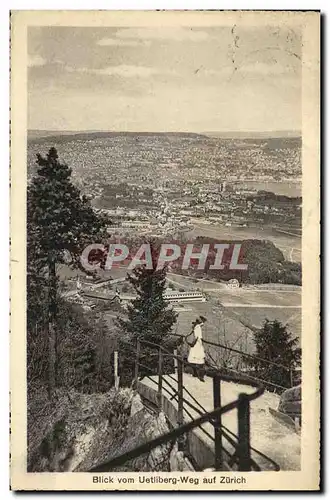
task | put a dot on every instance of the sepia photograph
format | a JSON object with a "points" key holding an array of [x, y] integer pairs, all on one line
{"points": [[165, 281]]}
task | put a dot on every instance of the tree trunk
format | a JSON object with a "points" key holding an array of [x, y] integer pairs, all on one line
{"points": [[52, 355]]}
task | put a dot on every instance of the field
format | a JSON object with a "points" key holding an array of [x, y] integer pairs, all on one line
{"points": [[256, 316], [287, 242], [220, 326], [235, 325], [241, 297], [233, 314]]}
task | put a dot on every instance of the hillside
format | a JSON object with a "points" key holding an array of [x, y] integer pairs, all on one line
{"points": [[41, 136]]}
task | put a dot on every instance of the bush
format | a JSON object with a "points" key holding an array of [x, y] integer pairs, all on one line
{"points": [[84, 350]]}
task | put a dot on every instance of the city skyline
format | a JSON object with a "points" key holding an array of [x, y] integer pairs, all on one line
{"points": [[229, 133]]}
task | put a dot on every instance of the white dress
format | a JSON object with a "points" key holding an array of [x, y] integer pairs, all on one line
{"points": [[197, 353]]}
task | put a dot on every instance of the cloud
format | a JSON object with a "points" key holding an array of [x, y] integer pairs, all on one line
{"points": [[123, 70], [117, 42], [35, 61], [177, 34], [266, 69], [223, 72], [137, 37], [127, 71], [254, 68]]}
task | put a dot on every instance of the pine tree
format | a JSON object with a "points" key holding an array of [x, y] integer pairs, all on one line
{"points": [[59, 219], [274, 343], [148, 318]]}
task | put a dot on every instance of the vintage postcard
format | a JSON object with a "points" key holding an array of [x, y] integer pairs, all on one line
{"points": [[165, 174]]}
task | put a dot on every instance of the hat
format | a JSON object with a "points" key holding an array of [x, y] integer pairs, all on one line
{"points": [[199, 320]]}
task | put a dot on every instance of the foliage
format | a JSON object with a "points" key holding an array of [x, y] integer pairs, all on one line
{"points": [[84, 350], [274, 343], [148, 318], [59, 219], [291, 273], [57, 428], [266, 263]]}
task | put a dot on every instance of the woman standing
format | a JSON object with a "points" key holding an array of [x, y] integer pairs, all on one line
{"points": [[196, 357]]}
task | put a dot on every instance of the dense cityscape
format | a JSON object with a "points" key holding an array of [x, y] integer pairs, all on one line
{"points": [[167, 183]]}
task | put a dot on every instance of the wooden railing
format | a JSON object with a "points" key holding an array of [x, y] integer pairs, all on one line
{"points": [[239, 455], [240, 363]]}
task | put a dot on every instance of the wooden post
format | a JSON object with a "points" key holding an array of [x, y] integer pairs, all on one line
{"points": [[175, 361], [291, 378], [160, 379], [136, 369], [180, 402], [116, 370], [217, 423], [243, 411]]}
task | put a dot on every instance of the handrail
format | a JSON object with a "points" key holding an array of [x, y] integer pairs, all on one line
{"points": [[253, 377], [223, 427], [242, 447], [242, 381], [201, 412], [237, 351], [169, 436]]}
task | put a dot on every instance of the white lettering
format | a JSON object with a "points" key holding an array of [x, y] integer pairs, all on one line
{"points": [[137, 261], [114, 256], [220, 248], [84, 256], [234, 259], [200, 256], [165, 257]]}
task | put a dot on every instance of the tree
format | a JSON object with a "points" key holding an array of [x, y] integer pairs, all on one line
{"points": [[85, 349], [148, 318], [274, 343], [59, 219]]}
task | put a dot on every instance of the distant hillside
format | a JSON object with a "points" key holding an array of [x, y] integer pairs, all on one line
{"points": [[37, 134], [63, 136], [255, 135]]}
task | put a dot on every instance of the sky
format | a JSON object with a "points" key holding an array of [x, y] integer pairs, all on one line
{"points": [[209, 79]]}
